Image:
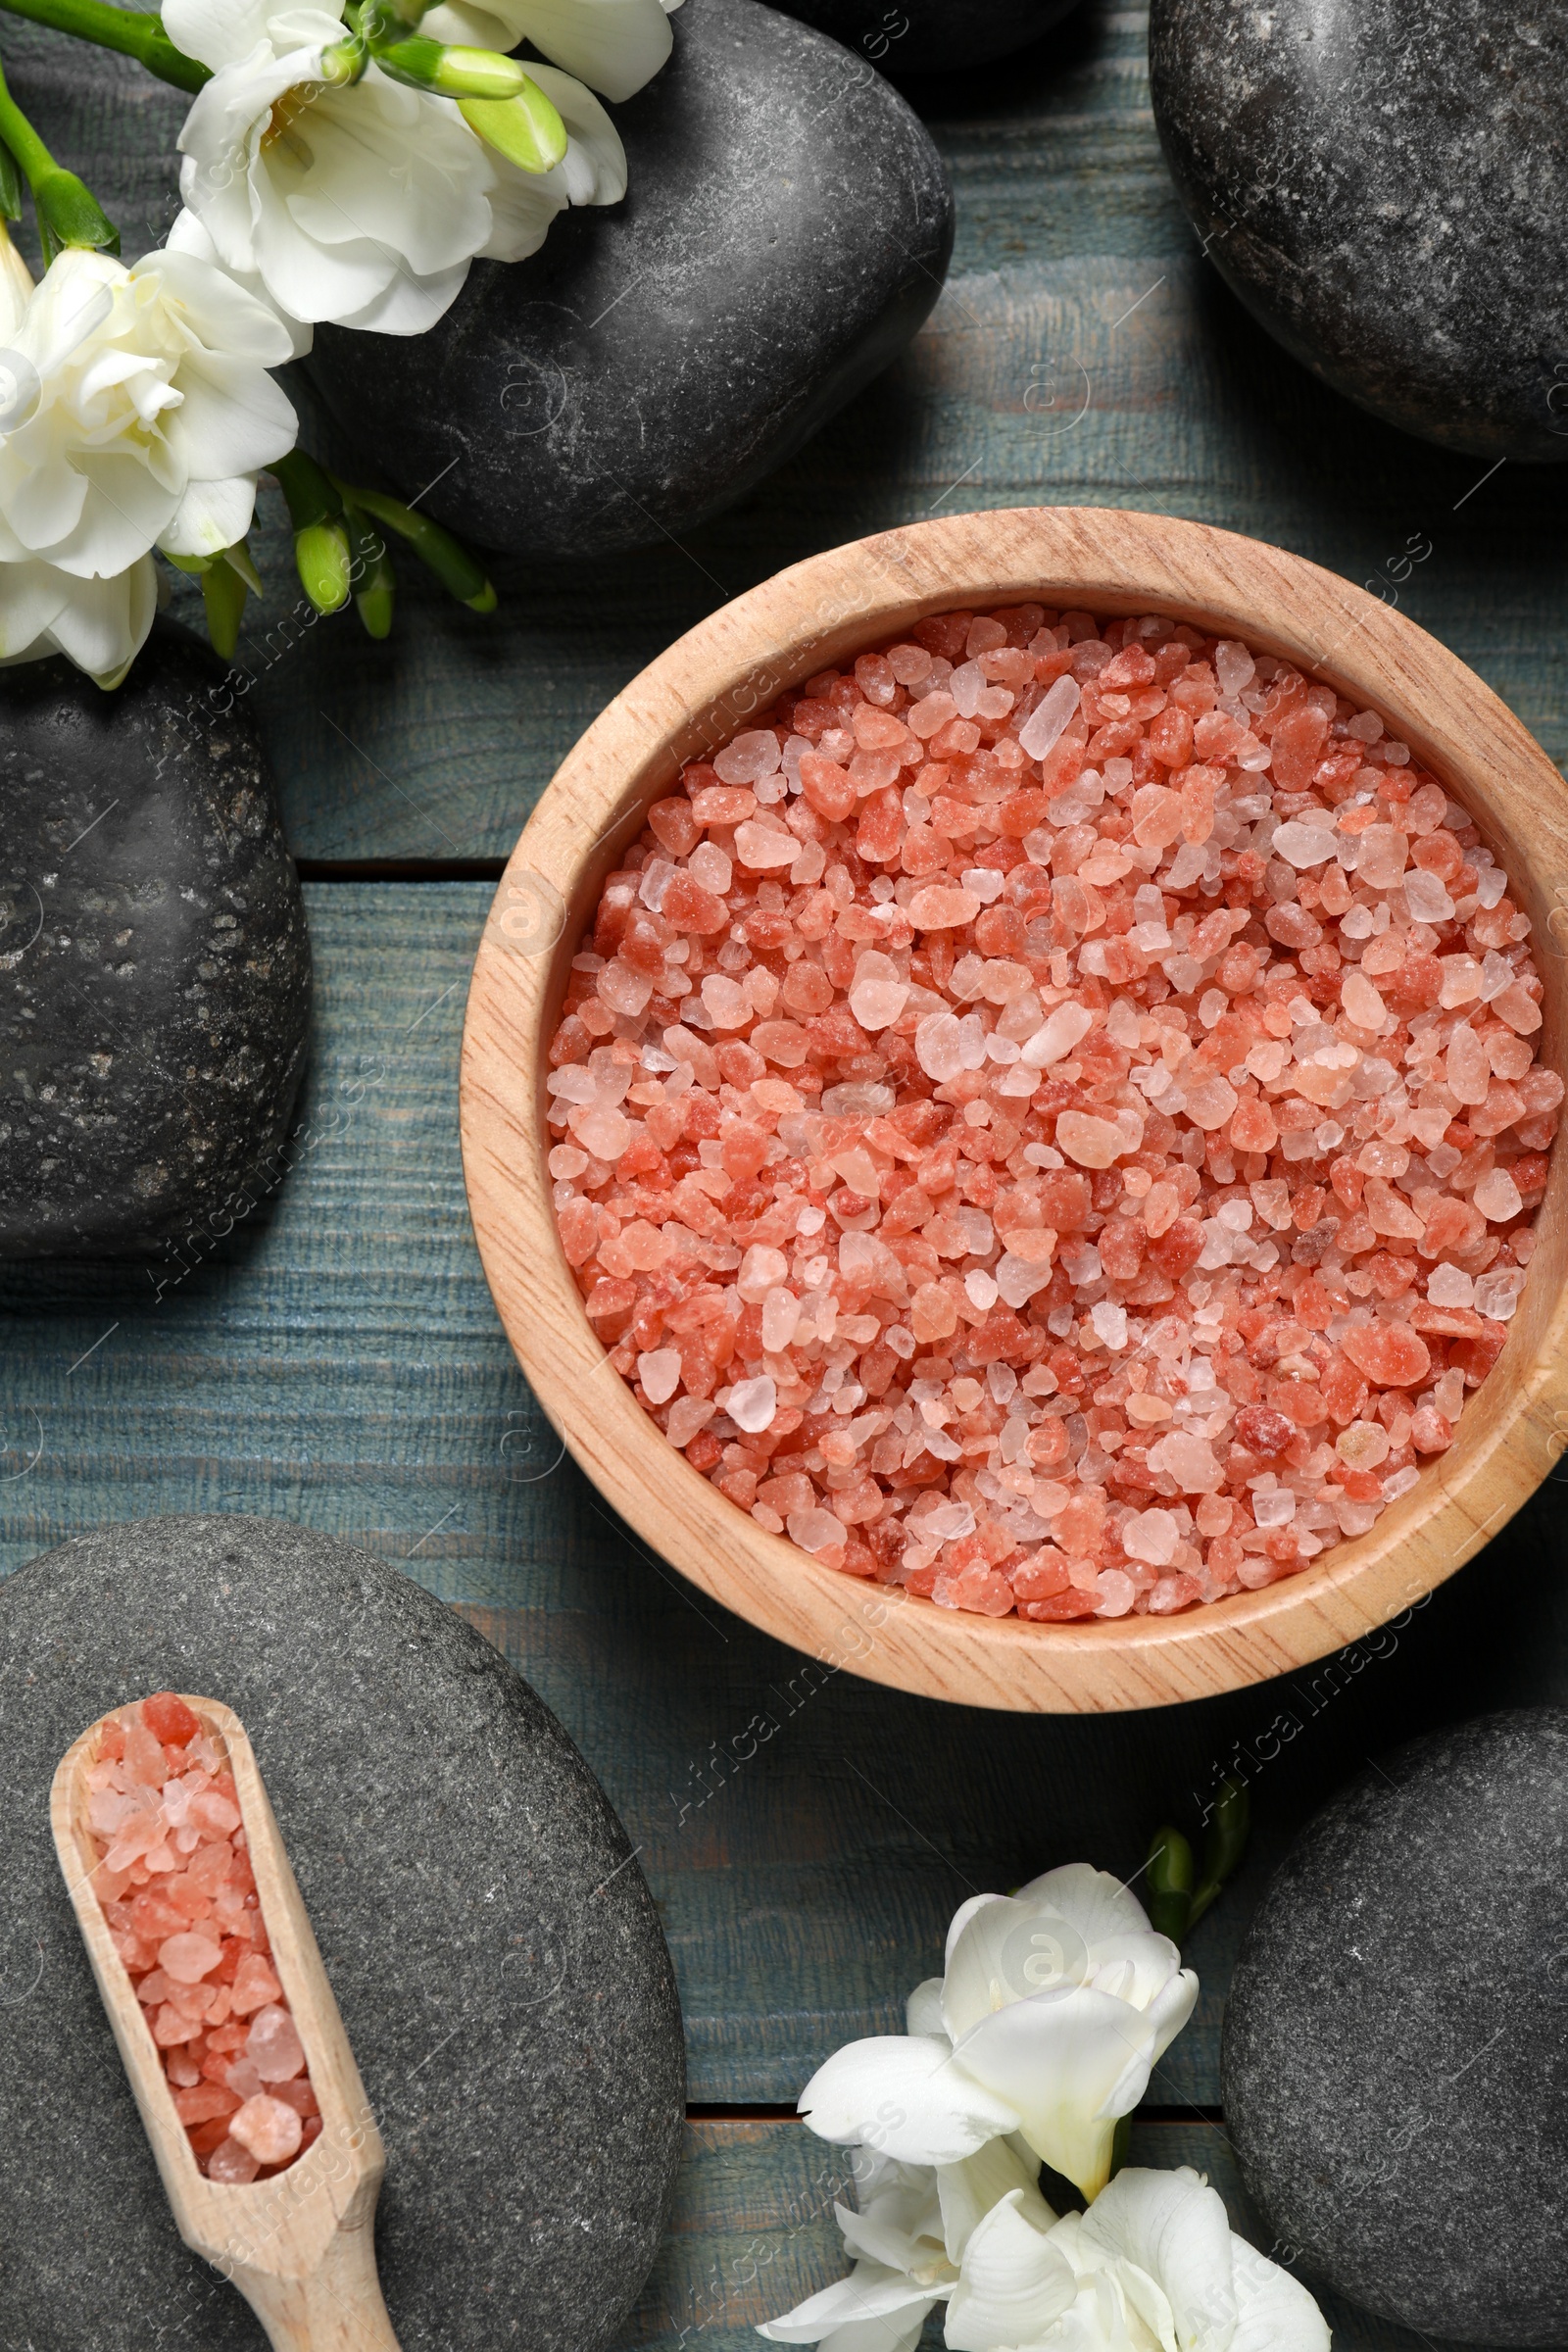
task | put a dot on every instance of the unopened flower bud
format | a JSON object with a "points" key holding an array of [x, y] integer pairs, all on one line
{"points": [[321, 556], [526, 129]]}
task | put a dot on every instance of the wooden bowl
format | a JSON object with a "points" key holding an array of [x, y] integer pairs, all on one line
{"points": [[688, 703]]}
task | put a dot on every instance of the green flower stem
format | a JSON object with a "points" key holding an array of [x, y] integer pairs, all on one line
{"points": [[131, 33], [69, 214], [447, 557]]}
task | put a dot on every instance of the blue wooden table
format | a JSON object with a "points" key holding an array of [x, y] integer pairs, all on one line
{"points": [[339, 1360]]}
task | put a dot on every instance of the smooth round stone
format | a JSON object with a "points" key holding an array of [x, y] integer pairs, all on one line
{"points": [[155, 971], [1384, 183], [931, 36], [1395, 2063], [787, 230], [491, 1942]]}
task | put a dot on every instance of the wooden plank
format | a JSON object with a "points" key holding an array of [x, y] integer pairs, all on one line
{"points": [[337, 1360], [753, 2234], [1083, 352]]}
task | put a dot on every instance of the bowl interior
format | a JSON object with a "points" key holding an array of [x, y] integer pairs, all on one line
{"points": [[710, 686]]}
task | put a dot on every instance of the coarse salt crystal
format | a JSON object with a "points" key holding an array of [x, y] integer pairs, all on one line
{"points": [[753, 1403], [1497, 1196], [1150, 1537], [659, 1373]]}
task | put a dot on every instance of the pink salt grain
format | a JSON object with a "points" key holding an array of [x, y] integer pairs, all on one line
{"points": [[269, 2128], [1051, 1116], [193, 1941]]}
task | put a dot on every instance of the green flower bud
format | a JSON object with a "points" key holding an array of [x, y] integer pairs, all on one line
{"points": [[321, 555], [374, 581], [344, 63], [1169, 1881], [1225, 1842], [526, 129], [456, 569], [450, 71]]}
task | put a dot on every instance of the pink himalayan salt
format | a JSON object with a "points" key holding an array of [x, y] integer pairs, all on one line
{"points": [[175, 1880], [269, 2130], [1054, 1078]]}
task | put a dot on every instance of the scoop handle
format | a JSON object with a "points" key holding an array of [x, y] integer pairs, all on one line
{"points": [[335, 2308]]}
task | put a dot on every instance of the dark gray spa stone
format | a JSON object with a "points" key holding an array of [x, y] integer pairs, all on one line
{"points": [[1384, 184], [787, 230], [1395, 2063], [930, 36], [491, 1942], [155, 972]]}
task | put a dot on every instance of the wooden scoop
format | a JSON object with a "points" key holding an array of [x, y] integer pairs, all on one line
{"points": [[301, 2245]]}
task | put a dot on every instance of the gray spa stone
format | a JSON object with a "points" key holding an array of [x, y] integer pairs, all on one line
{"points": [[1395, 2065], [491, 1942], [787, 230], [930, 36], [155, 972], [1386, 187]]}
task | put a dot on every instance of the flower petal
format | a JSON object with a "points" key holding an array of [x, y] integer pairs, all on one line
{"points": [[1274, 2311], [596, 161], [1170, 2009], [1007, 1951], [523, 204], [99, 624], [873, 2290], [922, 2010], [409, 306], [217, 32], [210, 517], [960, 1920], [1175, 2227], [1099, 1905], [904, 2094], [32, 593], [613, 45], [1013, 2282], [232, 418], [968, 2190], [1073, 2062]]}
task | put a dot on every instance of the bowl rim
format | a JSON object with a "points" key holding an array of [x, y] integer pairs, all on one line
{"points": [[689, 701]]}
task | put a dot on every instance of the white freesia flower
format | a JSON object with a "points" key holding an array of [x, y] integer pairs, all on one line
{"points": [[1055, 2005], [365, 203], [614, 46], [135, 411], [1152, 2266], [907, 2238]]}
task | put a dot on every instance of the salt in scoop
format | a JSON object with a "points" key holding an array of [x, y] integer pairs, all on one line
{"points": [[299, 2241]]}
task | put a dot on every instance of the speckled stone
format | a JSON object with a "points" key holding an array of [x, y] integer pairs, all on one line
{"points": [[1384, 184], [787, 229], [492, 1944], [1395, 2063], [155, 972], [930, 36]]}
